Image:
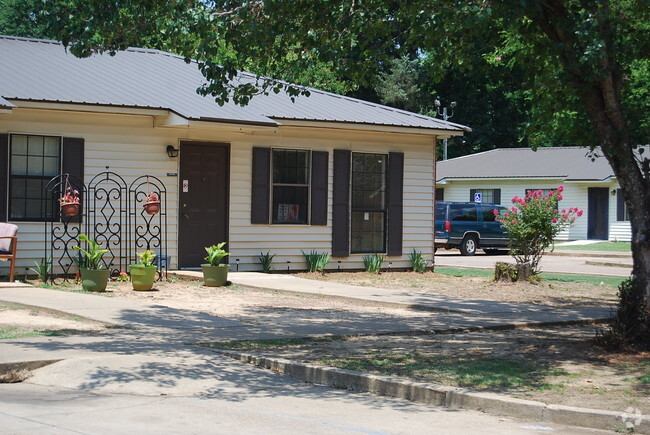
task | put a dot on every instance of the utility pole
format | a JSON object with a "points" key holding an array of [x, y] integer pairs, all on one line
{"points": [[442, 111]]}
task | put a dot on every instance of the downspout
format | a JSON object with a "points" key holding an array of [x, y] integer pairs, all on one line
{"points": [[433, 226]]}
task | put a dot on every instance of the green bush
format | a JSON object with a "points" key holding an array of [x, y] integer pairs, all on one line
{"points": [[418, 263], [372, 263], [316, 261]]}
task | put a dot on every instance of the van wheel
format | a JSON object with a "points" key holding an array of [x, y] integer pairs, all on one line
{"points": [[469, 245]]}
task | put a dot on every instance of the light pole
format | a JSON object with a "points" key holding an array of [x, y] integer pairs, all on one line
{"points": [[445, 116]]}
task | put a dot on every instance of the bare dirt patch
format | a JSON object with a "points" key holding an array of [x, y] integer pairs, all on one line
{"points": [[18, 321], [551, 365], [552, 293]]}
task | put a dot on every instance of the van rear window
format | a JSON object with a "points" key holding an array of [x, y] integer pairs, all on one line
{"points": [[441, 212], [462, 212]]}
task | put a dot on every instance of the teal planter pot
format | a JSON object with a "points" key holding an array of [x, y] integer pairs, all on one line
{"points": [[215, 276], [143, 277], [94, 280]]}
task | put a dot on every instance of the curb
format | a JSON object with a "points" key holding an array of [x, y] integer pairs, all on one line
{"points": [[449, 397]]}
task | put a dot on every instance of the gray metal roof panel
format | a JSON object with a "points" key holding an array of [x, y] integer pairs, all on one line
{"points": [[42, 71], [6, 104], [569, 163]]}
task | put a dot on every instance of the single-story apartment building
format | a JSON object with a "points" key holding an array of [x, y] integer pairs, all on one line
{"points": [[501, 174], [326, 172]]}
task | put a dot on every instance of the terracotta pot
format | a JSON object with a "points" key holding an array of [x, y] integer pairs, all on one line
{"points": [[70, 209], [151, 207]]}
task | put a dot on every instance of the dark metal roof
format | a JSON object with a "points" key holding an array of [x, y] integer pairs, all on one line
{"points": [[41, 70], [568, 163]]}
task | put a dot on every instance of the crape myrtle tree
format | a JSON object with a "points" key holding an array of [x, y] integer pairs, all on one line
{"points": [[586, 63]]}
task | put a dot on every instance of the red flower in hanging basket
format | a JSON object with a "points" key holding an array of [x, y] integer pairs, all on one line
{"points": [[70, 202], [151, 203]]}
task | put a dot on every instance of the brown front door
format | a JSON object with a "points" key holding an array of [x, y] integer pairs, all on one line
{"points": [[203, 199]]}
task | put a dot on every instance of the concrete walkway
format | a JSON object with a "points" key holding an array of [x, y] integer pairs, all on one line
{"points": [[150, 356]]}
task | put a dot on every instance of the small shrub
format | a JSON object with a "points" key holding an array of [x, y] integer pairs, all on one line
{"points": [[146, 258], [43, 268], [418, 262], [372, 263], [316, 261], [215, 254], [267, 261]]}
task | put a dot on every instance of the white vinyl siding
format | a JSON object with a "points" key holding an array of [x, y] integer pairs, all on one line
{"points": [[574, 195], [131, 146]]}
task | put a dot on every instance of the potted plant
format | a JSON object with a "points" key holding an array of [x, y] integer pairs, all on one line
{"points": [[69, 202], [143, 274], [93, 276], [151, 203], [214, 273]]}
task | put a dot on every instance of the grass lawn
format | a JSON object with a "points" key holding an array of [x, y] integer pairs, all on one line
{"points": [[603, 246], [561, 277]]}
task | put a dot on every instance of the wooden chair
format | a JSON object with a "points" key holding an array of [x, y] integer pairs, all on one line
{"points": [[8, 245]]}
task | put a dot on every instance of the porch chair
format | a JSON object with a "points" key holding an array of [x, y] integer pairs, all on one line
{"points": [[8, 244]]}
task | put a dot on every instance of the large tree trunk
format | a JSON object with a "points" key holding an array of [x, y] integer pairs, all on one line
{"points": [[600, 94]]}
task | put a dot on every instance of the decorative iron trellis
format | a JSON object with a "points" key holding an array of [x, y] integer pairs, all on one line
{"points": [[149, 232], [61, 232], [107, 218], [112, 214]]}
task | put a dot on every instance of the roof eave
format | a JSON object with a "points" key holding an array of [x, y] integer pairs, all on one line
{"points": [[440, 133]]}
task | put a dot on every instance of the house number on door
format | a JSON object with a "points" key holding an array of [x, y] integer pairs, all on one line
{"points": [[186, 186]]}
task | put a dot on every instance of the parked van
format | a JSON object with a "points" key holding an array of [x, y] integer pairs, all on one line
{"points": [[470, 226]]}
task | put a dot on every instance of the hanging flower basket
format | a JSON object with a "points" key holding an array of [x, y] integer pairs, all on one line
{"points": [[152, 204], [70, 209], [69, 202]]}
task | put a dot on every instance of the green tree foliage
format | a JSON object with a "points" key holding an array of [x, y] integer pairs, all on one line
{"points": [[582, 62], [20, 18]]}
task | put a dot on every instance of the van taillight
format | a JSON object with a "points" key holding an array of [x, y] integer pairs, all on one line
{"points": [[448, 226]]}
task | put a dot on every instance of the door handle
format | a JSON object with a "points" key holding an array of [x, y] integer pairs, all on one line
{"points": [[186, 216]]}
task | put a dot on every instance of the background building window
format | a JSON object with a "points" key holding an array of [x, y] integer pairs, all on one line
{"points": [[488, 196], [368, 226], [34, 160], [290, 186]]}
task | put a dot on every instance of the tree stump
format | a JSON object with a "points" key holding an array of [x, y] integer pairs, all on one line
{"points": [[512, 272]]}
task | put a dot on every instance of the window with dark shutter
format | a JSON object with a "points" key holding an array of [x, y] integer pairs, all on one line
{"points": [[395, 203], [33, 161], [260, 185], [73, 164], [369, 203], [319, 167], [440, 194], [622, 213], [341, 204], [4, 175]]}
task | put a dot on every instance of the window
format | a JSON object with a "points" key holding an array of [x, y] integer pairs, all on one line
{"points": [[622, 212], [463, 213], [290, 186], [34, 160], [368, 226], [488, 212], [488, 196]]}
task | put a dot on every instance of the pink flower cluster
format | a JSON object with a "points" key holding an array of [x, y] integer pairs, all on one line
{"points": [[70, 197]]}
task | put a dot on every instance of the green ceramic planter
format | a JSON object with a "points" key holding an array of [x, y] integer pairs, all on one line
{"points": [[215, 276], [94, 280], [143, 277]]}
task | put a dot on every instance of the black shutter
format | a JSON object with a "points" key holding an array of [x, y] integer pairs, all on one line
{"points": [[260, 190], [472, 192], [496, 195], [440, 194], [620, 205], [341, 204], [4, 175], [395, 202], [73, 164], [319, 166]]}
